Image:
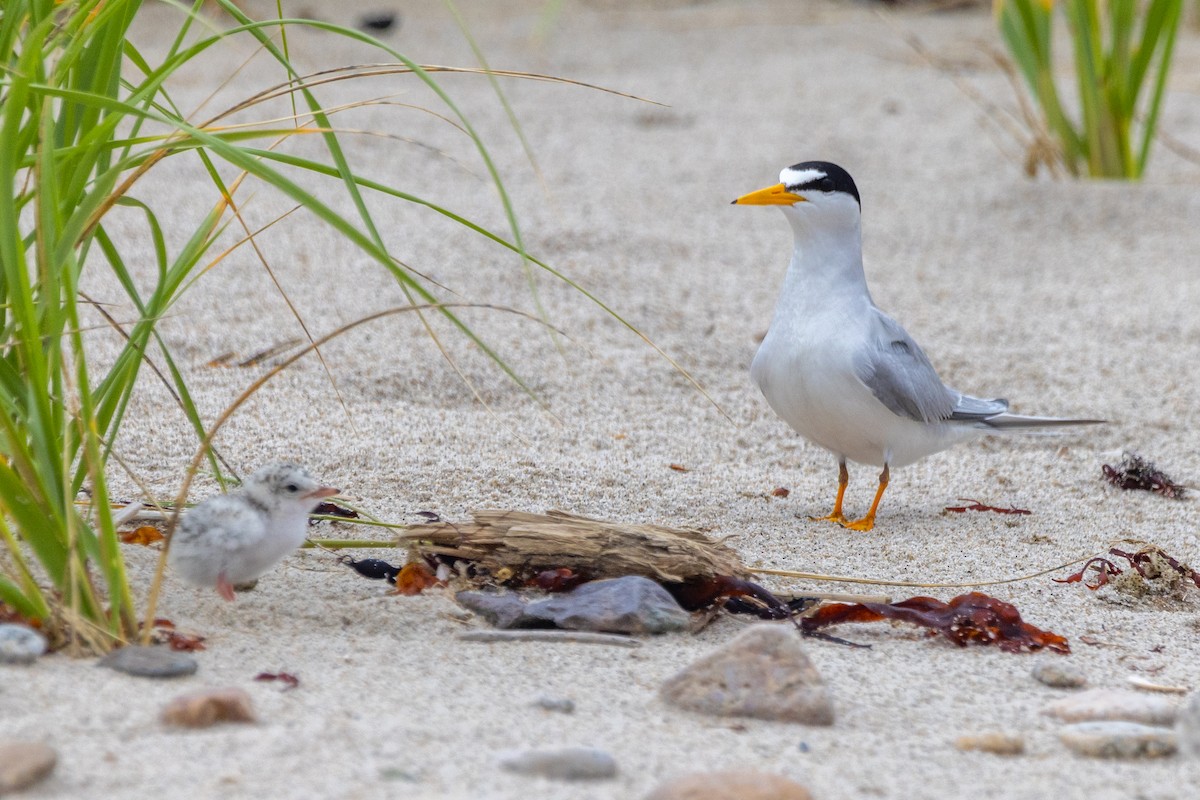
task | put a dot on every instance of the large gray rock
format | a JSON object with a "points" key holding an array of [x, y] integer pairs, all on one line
{"points": [[631, 604], [763, 673]]}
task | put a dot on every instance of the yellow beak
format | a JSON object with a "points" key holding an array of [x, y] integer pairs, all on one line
{"points": [[776, 195]]}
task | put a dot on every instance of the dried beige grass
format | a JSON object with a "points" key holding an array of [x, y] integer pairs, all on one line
{"points": [[522, 544]]}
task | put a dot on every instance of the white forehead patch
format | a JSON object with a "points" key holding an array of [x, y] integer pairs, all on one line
{"points": [[799, 177]]}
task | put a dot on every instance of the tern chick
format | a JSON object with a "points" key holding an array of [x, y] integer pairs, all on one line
{"points": [[231, 539], [841, 372]]}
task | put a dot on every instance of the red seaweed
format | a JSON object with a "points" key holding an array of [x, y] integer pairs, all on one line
{"points": [[973, 618], [975, 505], [1141, 561]]}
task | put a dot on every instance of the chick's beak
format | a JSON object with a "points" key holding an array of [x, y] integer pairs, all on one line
{"points": [[776, 195], [321, 491]]}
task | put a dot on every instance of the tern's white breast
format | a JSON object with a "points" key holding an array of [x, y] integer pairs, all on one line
{"points": [[808, 378]]}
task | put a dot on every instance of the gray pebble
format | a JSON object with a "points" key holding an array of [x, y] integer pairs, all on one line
{"points": [[566, 764], [20, 644], [22, 764], [1114, 704], [1116, 739], [563, 705], [1187, 727], [149, 662], [763, 673], [1059, 675]]}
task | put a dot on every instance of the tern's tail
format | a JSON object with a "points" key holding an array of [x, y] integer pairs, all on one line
{"points": [[1017, 422]]}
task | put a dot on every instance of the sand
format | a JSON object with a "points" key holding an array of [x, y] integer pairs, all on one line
{"points": [[1069, 298]]}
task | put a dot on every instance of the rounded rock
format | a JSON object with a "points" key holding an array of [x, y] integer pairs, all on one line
{"points": [[149, 662], [22, 764], [763, 673], [630, 604], [1114, 704], [206, 708], [730, 785], [561, 705], [20, 644], [566, 764], [1001, 744], [1059, 675], [1118, 739]]}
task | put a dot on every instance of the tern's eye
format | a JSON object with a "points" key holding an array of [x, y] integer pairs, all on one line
{"points": [[293, 488], [827, 185]]}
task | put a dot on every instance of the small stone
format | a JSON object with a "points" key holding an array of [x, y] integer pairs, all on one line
{"points": [[1118, 739], [763, 673], [208, 707], [377, 21], [502, 609], [20, 644], [1187, 727], [149, 662], [567, 764], [1002, 744], [1059, 675], [631, 604], [562, 705], [1114, 704], [22, 764], [730, 785]]}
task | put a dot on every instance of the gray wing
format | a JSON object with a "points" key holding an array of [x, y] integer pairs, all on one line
{"points": [[899, 374], [221, 523]]}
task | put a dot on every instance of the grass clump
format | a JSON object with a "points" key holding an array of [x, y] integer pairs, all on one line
{"points": [[84, 115], [1122, 56]]}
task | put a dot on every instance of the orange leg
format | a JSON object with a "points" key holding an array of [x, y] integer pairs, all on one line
{"points": [[868, 522], [224, 587], [836, 514]]}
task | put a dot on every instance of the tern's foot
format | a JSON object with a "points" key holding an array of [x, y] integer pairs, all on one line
{"points": [[224, 588], [864, 524], [834, 517]]}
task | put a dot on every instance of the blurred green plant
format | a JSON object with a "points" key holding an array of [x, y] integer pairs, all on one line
{"points": [[84, 116], [1122, 55]]}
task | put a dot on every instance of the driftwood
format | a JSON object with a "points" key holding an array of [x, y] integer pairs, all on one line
{"points": [[520, 543]]}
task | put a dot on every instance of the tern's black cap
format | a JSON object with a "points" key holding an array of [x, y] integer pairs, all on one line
{"points": [[820, 176]]}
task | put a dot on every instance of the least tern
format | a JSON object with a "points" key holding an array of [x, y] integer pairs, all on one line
{"points": [[232, 539], [842, 373]]}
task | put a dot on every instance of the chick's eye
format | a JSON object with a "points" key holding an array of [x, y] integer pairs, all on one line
{"points": [[827, 185], [293, 488]]}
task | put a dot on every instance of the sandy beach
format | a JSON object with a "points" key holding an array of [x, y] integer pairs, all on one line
{"points": [[1069, 298]]}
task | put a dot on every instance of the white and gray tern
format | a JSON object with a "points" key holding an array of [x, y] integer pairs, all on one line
{"points": [[841, 372]]}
